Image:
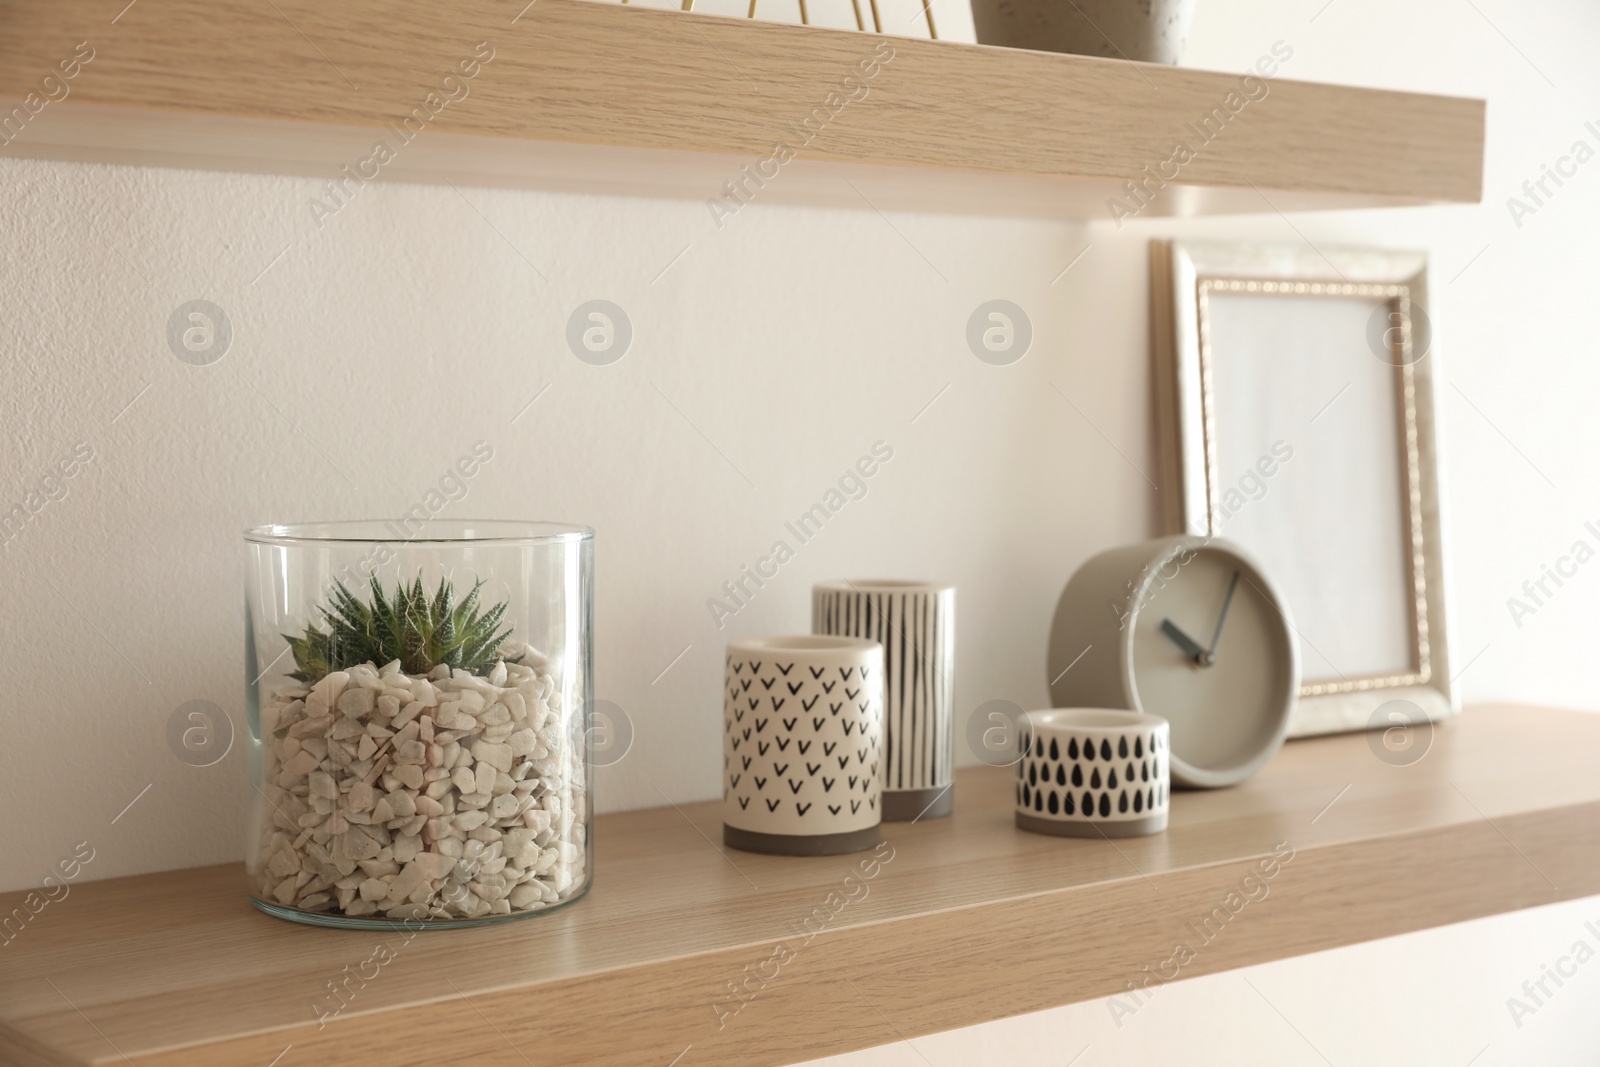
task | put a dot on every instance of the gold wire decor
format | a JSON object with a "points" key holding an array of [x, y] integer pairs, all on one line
{"points": [[877, 18]]}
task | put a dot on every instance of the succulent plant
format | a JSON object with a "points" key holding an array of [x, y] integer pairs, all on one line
{"points": [[409, 626]]}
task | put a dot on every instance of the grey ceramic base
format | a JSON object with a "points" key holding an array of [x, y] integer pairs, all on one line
{"points": [[800, 844], [908, 805], [1152, 824]]}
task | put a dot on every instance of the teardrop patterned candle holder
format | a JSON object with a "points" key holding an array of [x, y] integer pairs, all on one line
{"points": [[1091, 772]]}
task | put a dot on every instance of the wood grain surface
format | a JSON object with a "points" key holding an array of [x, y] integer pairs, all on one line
{"points": [[242, 85], [963, 920]]}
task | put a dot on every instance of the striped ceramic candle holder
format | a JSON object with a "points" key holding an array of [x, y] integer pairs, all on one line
{"points": [[802, 745], [915, 624], [1092, 772]]}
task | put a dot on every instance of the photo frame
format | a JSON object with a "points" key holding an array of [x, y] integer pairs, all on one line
{"points": [[1295, 395]]}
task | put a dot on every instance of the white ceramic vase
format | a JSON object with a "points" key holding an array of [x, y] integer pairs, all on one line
{"points": [[1153, 31]]}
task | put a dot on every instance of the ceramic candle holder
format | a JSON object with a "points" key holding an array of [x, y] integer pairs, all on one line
{"points": [[1092, 772], [802, 745], [915, 624]]}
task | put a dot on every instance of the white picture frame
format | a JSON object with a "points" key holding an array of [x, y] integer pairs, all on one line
{"points": [[1295, 395]]}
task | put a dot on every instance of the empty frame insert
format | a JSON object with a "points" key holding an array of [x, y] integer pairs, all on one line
{"points": [[1296, 396]]}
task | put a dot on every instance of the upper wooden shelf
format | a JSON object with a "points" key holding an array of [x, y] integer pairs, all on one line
{"points": [[611, 98], [962, 920]]}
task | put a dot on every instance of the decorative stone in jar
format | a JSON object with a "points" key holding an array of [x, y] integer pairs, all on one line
{"points": [[418, 721]]}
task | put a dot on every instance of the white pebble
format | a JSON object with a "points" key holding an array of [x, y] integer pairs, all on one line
{"points": [[358, 846], [361, 796], [358, 703], [522, 743], [406, 882], [301, 764], [329, 687], [497, 756], [364, 675], [403, 804], [406, 847], [502, 807]]}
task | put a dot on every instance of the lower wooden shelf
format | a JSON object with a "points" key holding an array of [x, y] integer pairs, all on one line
{"points": [[686, 954]]}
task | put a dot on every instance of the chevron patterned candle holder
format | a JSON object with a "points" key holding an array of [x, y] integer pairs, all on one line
{"points": [[802, 745]]}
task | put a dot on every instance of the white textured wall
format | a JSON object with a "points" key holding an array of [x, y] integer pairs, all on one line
{"points": [[765, 360]]}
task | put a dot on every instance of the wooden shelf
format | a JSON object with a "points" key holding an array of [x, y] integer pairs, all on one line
{"points": [[611, 98], [966, 920]]}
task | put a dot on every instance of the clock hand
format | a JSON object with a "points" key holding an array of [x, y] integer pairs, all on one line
{"points": [[1216, 634], [1190, 646]]}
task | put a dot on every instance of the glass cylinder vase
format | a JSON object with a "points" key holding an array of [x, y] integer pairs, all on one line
{"points": [[419, 707]]}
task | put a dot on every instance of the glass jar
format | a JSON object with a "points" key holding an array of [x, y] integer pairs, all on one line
{"points": [[419, 707]]}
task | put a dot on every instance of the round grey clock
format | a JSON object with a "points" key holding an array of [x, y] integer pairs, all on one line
{"points": [[1190, 629]]}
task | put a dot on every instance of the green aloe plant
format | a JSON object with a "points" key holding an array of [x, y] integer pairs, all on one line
{"points": [[419, 631]]}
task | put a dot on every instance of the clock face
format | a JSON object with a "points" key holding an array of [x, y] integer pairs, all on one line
{"points": [[1223, 689]]}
